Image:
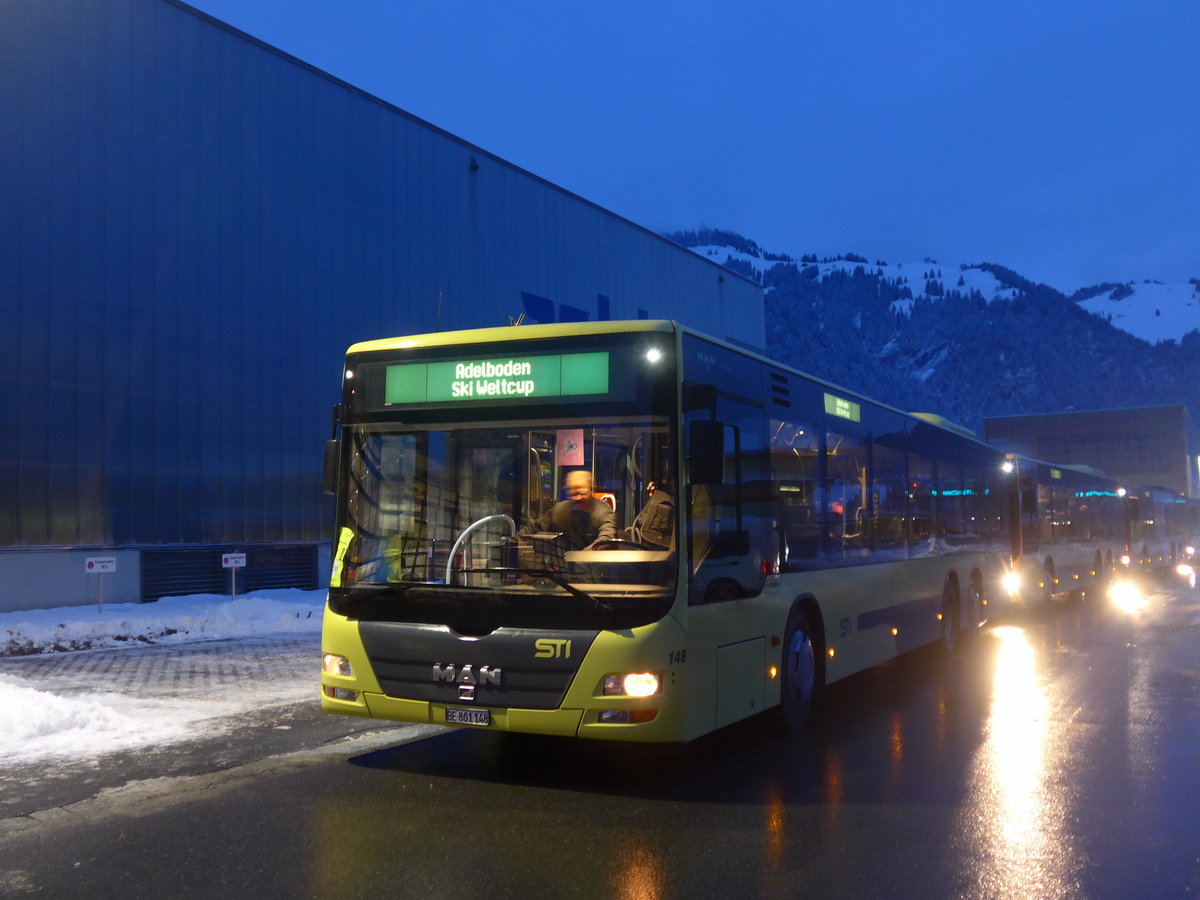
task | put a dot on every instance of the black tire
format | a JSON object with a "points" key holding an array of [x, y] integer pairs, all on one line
{"points": [[799, 678], [1046, 595], [967, 635], [951, 632]]}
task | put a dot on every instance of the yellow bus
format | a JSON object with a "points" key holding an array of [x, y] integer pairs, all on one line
{"points": [[737, 534]]}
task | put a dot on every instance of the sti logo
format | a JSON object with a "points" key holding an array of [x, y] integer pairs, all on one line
{"points": [[552, 648]]}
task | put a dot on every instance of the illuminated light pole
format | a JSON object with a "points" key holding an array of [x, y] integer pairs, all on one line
{"points": [[1012, 468]]}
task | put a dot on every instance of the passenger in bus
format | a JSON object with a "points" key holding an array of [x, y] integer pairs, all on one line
{"points": [[581, 519], [655, 525]]}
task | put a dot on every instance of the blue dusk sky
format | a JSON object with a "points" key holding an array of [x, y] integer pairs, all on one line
{"points": [[1057, 137]]}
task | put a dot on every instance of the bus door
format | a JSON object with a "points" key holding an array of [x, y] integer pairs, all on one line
{"points": [[539, 475], [488, 479]]}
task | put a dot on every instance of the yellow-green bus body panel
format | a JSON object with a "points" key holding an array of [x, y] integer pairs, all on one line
{"points": [[648, 648]]}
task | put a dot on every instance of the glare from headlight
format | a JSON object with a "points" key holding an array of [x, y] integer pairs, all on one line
{"points": [[1185, 570], [638, 684], [1126, 597], [1125, 559], [1011, 582], [642, 684]]}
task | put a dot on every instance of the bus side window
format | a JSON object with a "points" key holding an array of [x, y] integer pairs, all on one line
{"points": [[794, 455], [889, 498], [922, 502], [846, 514]]}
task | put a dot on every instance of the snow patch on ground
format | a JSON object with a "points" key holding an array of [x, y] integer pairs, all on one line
{"points": [[36, 723], [170, 620]]}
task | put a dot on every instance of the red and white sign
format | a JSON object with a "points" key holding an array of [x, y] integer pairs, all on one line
{"points": [[98, 565], [569, 443]]}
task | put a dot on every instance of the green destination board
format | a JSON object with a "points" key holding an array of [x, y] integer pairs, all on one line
{"points": [[500, 378], [843, 408]]}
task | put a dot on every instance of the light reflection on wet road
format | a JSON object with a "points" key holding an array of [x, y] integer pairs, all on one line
{"points": [[1010, 808], [1059, 758]]}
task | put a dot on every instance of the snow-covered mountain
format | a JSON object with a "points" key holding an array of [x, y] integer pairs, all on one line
{"points": [[1150, 310], [970, 340]]}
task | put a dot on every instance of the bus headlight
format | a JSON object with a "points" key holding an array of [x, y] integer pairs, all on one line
{"points": [[333, 664], [1011, 582], [1126, 597], [1185, 570], [1126, 559], [639, 684]]}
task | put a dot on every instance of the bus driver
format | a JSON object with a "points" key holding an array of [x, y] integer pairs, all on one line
{"points": [[581, 519]]}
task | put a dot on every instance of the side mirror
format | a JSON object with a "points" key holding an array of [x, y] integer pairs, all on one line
{"points": [[706, 451], [329, 474]]}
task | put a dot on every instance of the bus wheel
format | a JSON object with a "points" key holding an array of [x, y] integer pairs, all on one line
{"points": [[1047, 588], [951, 634], [799, 683], [974, 617]]}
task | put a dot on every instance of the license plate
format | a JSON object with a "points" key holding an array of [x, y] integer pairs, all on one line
{"points": [[459, 716]]}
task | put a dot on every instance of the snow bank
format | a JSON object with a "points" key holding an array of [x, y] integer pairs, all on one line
{"points": [[38, 724], [169, 620]]}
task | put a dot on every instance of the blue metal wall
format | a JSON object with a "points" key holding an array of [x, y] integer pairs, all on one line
{"points": [[193, 228]]}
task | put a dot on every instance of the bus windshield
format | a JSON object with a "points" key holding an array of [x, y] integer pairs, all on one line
{"points": [[521, 523]]}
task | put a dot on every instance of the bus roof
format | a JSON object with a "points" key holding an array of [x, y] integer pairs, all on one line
{"points": [[511, 333], [516, 332]]}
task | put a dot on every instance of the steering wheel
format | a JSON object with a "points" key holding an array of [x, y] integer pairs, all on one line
{"points": [[616, 545]]}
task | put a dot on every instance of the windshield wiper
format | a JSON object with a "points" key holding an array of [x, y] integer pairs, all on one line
{"points": [[557, 578], [400, 588], [359, 592]]}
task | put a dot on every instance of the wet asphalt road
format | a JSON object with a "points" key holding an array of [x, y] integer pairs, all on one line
{"points": [[1059, 758]]}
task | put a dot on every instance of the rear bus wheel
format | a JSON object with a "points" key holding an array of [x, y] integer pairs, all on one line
{"points": [[799, 672], [967, 637], [951, 626]]}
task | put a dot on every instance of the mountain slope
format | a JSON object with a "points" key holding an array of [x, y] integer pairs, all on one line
{"points": [[967, 342]]}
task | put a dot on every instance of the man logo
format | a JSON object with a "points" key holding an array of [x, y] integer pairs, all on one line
{"points": [[552, 648], [467, 675]]}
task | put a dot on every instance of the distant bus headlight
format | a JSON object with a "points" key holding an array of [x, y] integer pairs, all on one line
{"points": [[1011, 582], [1126, 559], [333, 664], [1126, 597], [640, 684], [1185, 570]]}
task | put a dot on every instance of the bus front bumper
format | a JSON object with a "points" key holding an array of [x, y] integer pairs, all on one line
{"points": [[560, 722]]}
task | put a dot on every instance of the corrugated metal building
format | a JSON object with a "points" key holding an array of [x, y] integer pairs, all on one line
{"points": [[193, 228], [1150, 446]]}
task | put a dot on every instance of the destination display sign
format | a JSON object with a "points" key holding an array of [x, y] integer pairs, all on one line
{"points": [[498, 378], [843, 408]]}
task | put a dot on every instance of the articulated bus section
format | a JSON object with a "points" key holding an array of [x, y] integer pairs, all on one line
{"points": [[630, 531]]}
